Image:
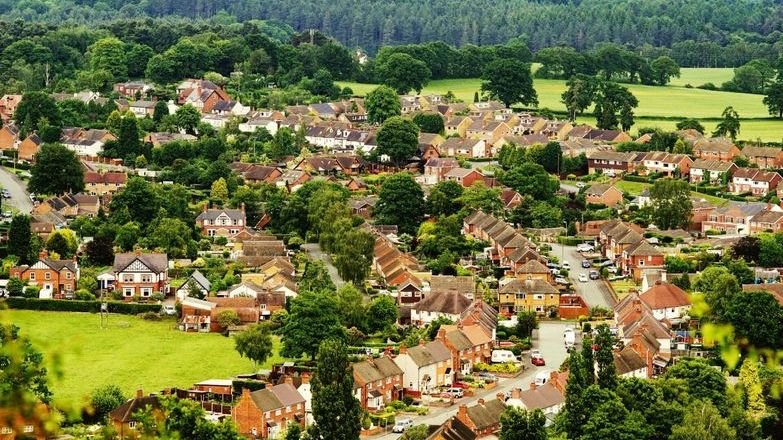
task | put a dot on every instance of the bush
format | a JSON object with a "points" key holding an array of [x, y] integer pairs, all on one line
{"points": [[228, 318], [407, 400], [150, 316], [15, 287], [104, 399], [504, 368], [31, 292], [221, 241], [58, 305], [157, 296], [708, 86], [84, 295]]}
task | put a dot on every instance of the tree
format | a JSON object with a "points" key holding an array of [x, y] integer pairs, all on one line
{"points": [[403, 73], [614, 106], [690, 124], [336, 411], [23, 381], [173, 236], [351, 306], [757, 318], [381, 104], [401, 203], [509, 81], [549, 156], [105, 399], [293, 432], [57, 170], [480, 196], [531, 179], [381, 313], [187, 118], [703, 381], [579, 94], [35, 110], [315, 277], [429, 122], [671, 204], [604, 358], [255, 343], [109, 54], [354, 255], [443, 199], [398, 138], [575, 407], [588, 358], [314, 317], [719, 287], [228, 318], [730, 125], [610, 420], [663, 69], [219, 191], [526, 323], [282, 144], [702, 422], [520, 424], [160, 111], [774, 99], [417, 432], [19, 238], [63, 242], [752, 390], [128, 143]]}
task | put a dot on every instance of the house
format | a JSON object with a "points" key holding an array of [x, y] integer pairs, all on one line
{"points": [[429, 146], [256, 253], [142, 108], [453, 429], [639, 256], [465, 285], [714, 172], [69, 205], [510, 198], [9, 137], [754, 181], [488, 130], [396, 268], [465, 177], [55, 278], [201, 315], [471, 148], [766, 221], [102, 182], [531, 294], [29, 147], [377, 381], [435, 169], [720, 149], [668, 164], [603, 194], [549, 397], [532, 270], [667, 301], [221, 222], [133, 89], [556, 130], [255, 173], [613, 163], [482, 419], [598, 135], [735, 218], [425, 367], [196, 280], [447, 304], [468, 344], [764, 157], [25, 424], [266, 413], [124, 418], [529, 124], [139, 274], [458, 125], [319, 165]]}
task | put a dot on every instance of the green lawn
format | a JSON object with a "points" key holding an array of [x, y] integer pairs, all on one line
{"points": [[131, 353], [656, 103], [623, 287], [636, 188]]}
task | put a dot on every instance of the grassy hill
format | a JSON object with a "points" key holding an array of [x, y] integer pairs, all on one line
{"points": [[656, 104]]}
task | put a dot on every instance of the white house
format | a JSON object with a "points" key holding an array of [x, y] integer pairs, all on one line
{"points": [[197, 279], [245, 289], [667, 301], [425, 367], [254, 124], [84, 147], [547, 397], [445, 304]]}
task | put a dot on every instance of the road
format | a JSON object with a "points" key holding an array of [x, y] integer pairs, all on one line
{"points": [[20, 199], [594, 292], [316, 253], [549, 342]]}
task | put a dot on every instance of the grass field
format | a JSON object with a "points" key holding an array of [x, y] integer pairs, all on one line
{"points": [[623, 287], [131, 353], [636, 188], [656, 104]]}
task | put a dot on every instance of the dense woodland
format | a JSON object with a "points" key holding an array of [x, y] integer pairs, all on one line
{"points": [[700, 33]]}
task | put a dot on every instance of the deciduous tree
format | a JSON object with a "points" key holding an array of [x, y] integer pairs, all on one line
{"points": [[520, 424], [381, 312], [335, 409], [429, 122], [403, 73], [510, 82], [314, 317], [443, 199], [730, 125], [381, 104], [604, 358], [57, 170], [19, 238], [398, 138], [671, 204], [531, 179], [255, 343], [663, 69], [401, 203], [703, 422]]}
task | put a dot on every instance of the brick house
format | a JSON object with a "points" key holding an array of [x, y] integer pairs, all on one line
{"points": [[458, 125], [667, 164], [603, 194], [377, 382], [28, 426], [711, 171], [9, 137], [612, 163], [221, 222], [425, 367], [754, 181], [639, 256], [483, 419], [133, 89], [764, 157], [438, 304], [766, 221], [531, 294], [472, 148], [435, 169], [104, 182], [124, 420], [465, 177], [140, 274], [29, 147], [55, 278], [265, 414], [468, 345], [735, 218], [720, 149]]}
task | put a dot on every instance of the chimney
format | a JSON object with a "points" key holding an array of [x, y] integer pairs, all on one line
{"points": [[43, 254], [370, 360], [657, 282], [421, 342], [387, 352], [138, 252], [206, 207], [481, 402], [462, 414], [268, 385], [459, 325], [288, 379], [501, 397], [533, 386], [305, 378], [516, 393], [139, 394], [242, 206], [553, 375], [403, 349], [441, 334]]}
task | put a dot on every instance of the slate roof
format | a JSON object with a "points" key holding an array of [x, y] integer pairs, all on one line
{"points": [[751, 151], [544, 396], [213, 213], [486, 415], [377, 369], [156, 262], [124, 413], [431, 353], [450, 302], [279, 396]]}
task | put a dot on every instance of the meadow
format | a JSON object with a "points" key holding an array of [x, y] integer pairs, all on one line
{"points": [[658, 107], [131, 353]]}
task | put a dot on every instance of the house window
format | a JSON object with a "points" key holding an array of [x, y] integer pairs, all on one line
{"points": [[47, 276], [127, 278], [128, 291], [6, 430], [67, 275], [146, 291], [146, 278], [132, 424], [211, 232], [32, 276], [277, 412], [28, 428]]}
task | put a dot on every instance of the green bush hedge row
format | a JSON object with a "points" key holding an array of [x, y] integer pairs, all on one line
{"points": [[61, 305]]}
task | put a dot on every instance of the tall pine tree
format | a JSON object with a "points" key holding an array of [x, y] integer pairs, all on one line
{"points": [[604, 357]]}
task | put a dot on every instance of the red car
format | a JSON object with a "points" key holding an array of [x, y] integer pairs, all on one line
{"points": [[538, 361], [462, 385]]}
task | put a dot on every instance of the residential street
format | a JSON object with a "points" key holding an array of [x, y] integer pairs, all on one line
{"points": [[315, 252], [594, 292], [20, 199], [549, 342]]}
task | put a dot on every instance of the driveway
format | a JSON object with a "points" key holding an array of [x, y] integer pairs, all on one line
{"points": [[315, 252], [20, 198], [549, 342], [566, 188], [594, 292]]}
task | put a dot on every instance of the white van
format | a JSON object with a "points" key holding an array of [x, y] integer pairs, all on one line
{"points": [[402, 424], [502, 356], [542, 377], [570, 338]]}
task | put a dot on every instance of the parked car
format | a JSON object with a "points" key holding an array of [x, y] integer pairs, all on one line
{"points": [[580, 184], [555, 272], [585, 247], [606, 263], [569, 337], [561, 280], [457, 393], [537, 360], [566, 265], [586, 263], [402, 424], [462, 385], [594, 275], [488, 377], [553, 265], [582, 278], [169, 309], [8, 214], [6, 194]]}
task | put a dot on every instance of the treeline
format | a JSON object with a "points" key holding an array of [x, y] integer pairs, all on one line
{"points": [[701, 33]]}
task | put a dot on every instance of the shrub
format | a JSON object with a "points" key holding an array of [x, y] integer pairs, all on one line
{"points": [[150, 316], [227, 318], [84, 295], [58, 305], [708, 86], [157, 296], [105, 398], [31, 292], [15, 287], [251, 384], [507, 367], [408, 400]]}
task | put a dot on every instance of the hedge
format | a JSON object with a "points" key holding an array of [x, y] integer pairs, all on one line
{"points": [[632, 178], [251, 384], [63, 305]]}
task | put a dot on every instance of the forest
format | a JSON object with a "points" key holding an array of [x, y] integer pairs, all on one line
{"points": [[697, 33]]}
